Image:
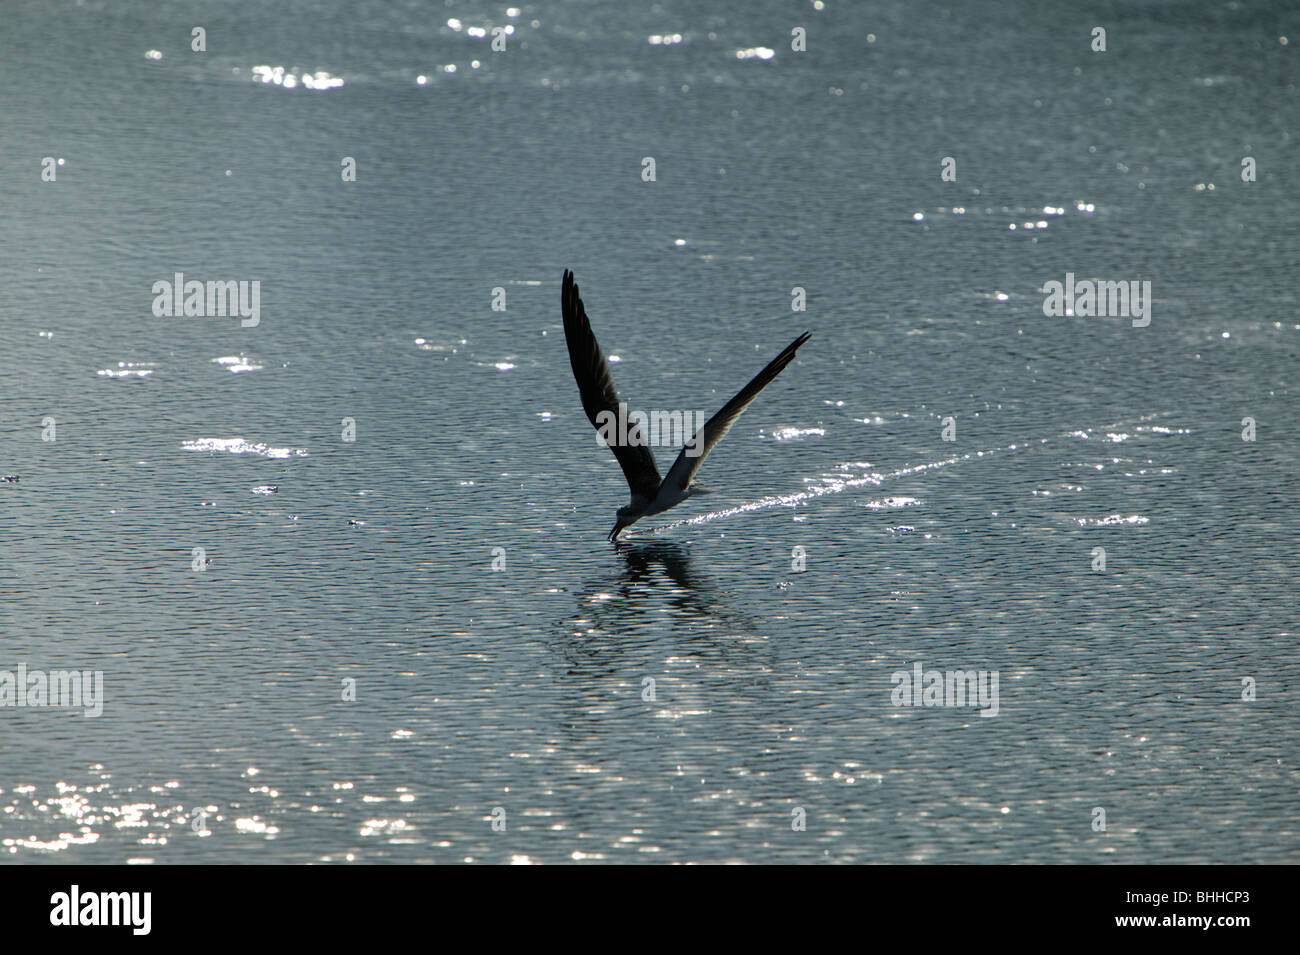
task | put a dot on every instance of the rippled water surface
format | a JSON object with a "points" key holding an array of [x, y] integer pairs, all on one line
{"points": [[322, 649]]}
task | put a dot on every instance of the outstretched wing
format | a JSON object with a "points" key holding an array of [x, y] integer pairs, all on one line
{"points": [[684, 468], [596, 386]]}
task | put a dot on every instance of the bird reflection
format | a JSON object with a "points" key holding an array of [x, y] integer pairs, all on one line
{"points": [[659, 602], [653, 645], [640, 559]]}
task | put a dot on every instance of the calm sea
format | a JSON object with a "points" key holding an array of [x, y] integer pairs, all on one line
{"points": [[343, 573]]}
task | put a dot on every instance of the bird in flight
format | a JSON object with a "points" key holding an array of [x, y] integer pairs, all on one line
{"points": [[650, 493]]}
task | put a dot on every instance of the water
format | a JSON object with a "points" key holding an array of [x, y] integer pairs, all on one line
{"points": [[224, 735]]}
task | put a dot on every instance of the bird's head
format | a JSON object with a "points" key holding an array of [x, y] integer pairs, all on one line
{"points": [[625, 518]]}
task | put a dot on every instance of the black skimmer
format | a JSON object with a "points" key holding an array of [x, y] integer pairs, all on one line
{"points": [[650, 493]]}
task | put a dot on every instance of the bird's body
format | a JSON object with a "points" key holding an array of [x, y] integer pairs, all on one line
{"points": [[650, 493]]}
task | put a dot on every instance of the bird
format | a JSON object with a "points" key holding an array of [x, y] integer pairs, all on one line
{"points": [[650, 493]]}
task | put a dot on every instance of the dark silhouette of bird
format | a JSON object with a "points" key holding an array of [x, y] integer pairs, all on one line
{"points": [[650, 493]]}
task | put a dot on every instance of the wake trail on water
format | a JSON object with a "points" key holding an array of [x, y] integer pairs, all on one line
{"points": [[875, 479]]}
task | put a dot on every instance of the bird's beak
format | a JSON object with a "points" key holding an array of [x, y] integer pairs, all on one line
{"points": [[618, 528]]}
